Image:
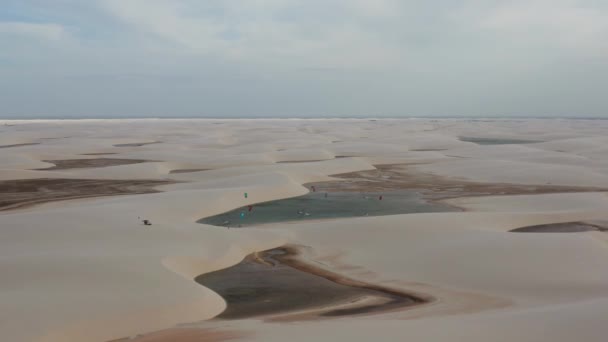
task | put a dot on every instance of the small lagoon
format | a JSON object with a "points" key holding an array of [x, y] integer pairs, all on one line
{"points": [[320, 205]]}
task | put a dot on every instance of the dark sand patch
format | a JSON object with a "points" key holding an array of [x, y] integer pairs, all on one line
{"points": [[497, 141], [22, 193], [188, 170], [393, 177], [18, 145], [136, 144], [300, 161], [189, 334], [98, 154], [564, 227], [90, 163], [54, 138], [429, 149], [278, 281]]}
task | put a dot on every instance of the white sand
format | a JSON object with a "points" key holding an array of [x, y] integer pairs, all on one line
{"points": [[87, 270]]}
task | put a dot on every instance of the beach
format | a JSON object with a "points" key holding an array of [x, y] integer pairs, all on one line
{"points": [[455, 230]]}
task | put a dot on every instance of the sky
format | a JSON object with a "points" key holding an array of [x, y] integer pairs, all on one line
{"points": [[289, 58]]}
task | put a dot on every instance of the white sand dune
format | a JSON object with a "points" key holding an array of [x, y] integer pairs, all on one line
{"points": [[88, 270], [519, 172]]}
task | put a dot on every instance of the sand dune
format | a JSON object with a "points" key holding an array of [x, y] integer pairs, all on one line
{"points": [[89, 270]]}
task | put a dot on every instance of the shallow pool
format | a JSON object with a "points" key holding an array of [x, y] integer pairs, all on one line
{"points": [[319, 205]]}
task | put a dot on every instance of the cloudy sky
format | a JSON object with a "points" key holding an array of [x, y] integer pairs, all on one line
{"points": [[239, 58]]}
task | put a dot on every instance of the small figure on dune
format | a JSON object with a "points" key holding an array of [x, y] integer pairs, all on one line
{"points": [[145, 222]]}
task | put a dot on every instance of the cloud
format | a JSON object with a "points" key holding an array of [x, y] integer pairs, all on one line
{"points": [[266, 31], [554, 23], [338, 57], [43, 31]]}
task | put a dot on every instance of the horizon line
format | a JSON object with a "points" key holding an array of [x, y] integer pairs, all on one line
{"points": [[14, 118]]}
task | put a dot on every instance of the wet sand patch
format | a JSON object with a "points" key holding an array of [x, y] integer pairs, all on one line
{"points": [[136, 144], [279, 282], [564, 227], [300, 161], [98, 154], [54, 138], [18, 145], [90, 163], [188, 170], [429, 149], [22, 193], [394, 177], [497, 141]]}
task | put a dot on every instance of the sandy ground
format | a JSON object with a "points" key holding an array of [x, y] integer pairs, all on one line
{"points": [[88, 270]]}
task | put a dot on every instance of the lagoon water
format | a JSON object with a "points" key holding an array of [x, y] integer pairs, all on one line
{"points": [[318, 205]]}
